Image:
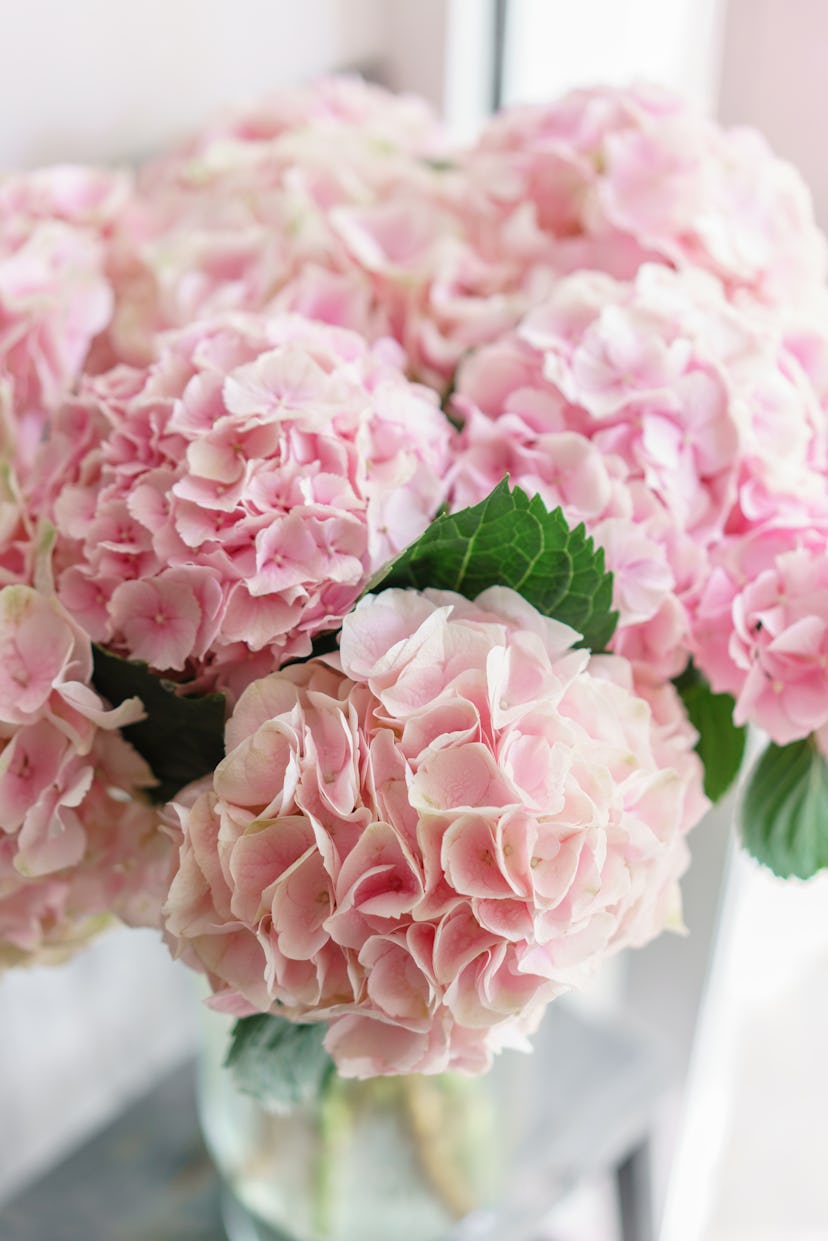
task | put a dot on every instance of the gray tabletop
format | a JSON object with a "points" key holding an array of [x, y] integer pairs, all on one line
{"points": [[146, 1177]]}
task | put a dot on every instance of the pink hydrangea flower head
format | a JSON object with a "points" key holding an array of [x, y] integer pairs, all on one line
{"points": [[79, 843], [244, 216], [424, 839], [55, 295], [762, 631], [234, 498], [658, 414], [50, 719], [123, 871], [608, 178], [335, 202]]}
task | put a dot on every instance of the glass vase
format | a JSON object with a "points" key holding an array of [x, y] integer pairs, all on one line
{"points": [[417, 1158]]}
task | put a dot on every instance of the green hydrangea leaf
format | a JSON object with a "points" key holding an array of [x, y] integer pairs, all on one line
{"points": [[278, 1062], [784, 819], [182, 737], [510, 540], [721, 743]]}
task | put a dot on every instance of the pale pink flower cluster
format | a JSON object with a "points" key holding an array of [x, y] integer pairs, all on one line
{"points": [[664, 418], [609, 178], [206, 389], [344, 203], [55, 295], [424, 839], [762, 626], [220, 507], [326, 201], [76, 842]]}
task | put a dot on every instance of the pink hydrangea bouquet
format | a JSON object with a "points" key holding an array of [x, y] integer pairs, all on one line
{"points": [[395, 542]]}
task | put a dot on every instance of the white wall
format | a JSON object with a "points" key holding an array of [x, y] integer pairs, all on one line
{"points": [[775, 76], [443, 50], [112, 79], [554, 45]]}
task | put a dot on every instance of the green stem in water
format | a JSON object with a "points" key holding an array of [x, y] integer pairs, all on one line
{"points": [[432, 1116], [449, 1123], [334, 1123]]}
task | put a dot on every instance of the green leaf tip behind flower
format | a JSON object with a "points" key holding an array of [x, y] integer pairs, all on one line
{"points": [[721, 743], [784, 819], [182, 738], [278, 1062], [510, 540]]}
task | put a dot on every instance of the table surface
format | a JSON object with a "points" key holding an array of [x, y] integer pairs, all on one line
{"points": [[147, 1176]]}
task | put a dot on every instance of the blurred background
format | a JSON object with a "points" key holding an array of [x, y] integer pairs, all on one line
{"points": [[742, 1002]]}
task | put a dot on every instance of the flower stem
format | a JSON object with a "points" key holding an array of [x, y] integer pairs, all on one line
{"points": [[428, 1108], [333, 1127]]}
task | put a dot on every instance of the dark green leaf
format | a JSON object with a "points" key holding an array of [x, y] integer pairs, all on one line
{"points": [[721, 743], [182, 738], [278, 1062], [784, 819], [447, 402], [510, 540]]}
